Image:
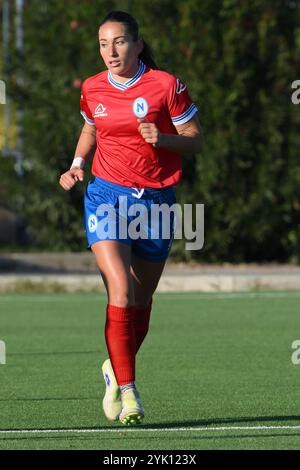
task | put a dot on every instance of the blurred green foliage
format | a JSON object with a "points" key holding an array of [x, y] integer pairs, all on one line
{"points": [[238, 59]]}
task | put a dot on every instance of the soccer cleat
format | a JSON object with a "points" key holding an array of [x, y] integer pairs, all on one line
{"points": [[112, 404], [132, 412]]}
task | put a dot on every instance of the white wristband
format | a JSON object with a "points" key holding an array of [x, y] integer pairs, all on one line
{"points": [[78, 161]]}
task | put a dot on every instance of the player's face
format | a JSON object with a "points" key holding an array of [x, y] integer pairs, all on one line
{"points": [[118, 50]]}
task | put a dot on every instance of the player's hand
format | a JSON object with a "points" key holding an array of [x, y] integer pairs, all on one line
{"points": [[70, 178], [149, 132]]}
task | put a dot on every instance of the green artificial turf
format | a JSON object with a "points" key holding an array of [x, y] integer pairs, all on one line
{"points": [[209, 361]]}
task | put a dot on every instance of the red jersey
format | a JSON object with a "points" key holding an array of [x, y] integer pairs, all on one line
{"points": [[122, 155]]}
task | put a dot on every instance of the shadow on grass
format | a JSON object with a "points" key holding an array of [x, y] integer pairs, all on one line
{"points": [[214, 421]]}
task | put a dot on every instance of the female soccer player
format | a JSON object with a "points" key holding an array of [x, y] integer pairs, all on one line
{"points": [[140, 119]]}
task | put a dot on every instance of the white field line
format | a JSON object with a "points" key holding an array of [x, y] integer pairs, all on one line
{"points": [[138, 429]]}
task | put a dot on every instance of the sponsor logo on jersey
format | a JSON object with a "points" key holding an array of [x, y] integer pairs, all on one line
{"points": [[100, 111], [140, 107], [180, 87]]}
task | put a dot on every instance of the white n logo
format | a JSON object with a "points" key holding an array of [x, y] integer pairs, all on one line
{"points": [[140, 107]]}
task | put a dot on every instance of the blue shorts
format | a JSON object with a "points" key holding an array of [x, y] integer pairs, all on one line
{"points": [[132, 216]]}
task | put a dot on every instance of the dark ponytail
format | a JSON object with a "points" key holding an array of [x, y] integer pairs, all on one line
{"points": [[133, 29], [147, 56]]}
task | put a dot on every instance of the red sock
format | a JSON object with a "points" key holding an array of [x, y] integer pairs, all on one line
{"points": [[120, 341], [141, 324]]}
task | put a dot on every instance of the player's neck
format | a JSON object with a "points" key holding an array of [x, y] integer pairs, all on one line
{"points": [[128, 75]]}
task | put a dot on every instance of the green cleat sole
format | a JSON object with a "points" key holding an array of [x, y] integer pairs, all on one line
{"points": [[132, 420]]}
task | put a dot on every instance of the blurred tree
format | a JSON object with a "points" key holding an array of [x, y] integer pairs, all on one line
{"points": [[238, 60]]}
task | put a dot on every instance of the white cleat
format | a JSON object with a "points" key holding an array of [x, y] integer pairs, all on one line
{"points": [[112, 404], [132, 412]]}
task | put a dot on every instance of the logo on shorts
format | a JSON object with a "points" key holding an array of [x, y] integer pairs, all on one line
{"points": [[140, 107], [92, 223], [100, 111]]}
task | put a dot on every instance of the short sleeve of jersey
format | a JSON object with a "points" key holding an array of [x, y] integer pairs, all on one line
{"points": [[84, 109], [181, 107]]}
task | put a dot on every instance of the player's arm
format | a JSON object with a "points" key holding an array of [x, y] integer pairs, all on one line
{"points": [[189, 138], [188, 141], [86, 143]]}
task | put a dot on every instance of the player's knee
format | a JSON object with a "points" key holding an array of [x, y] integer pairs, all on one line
{"points": [[121, 298]]}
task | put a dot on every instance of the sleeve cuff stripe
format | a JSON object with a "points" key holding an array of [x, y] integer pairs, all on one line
{"points": [[88, 120], [186, 117], [191, 110]]}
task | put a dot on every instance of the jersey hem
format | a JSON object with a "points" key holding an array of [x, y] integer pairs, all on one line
{"points": [[88, 120]]}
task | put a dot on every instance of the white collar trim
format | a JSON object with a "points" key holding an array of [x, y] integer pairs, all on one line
{"points": [[131, 81]]}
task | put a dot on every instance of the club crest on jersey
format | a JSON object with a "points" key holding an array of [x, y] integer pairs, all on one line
{"points": [[100, 111], [140, 107], [180, 87], [92, 223]]}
